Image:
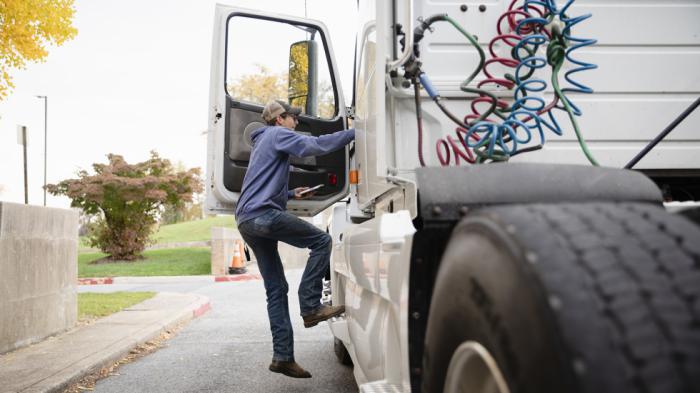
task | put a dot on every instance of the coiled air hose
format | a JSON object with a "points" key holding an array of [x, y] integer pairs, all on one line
{"points": [[502, 130]]}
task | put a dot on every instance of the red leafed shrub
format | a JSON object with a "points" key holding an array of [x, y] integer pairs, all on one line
{"points": [[128, 198]]}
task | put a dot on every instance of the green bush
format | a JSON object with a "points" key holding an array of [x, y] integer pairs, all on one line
{"points": [[128, 199]]}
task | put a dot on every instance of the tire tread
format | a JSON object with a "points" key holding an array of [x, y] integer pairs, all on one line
{"points": [[641, 266]]}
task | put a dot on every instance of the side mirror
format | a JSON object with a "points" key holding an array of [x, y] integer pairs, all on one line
{"points": [[302, 76]]}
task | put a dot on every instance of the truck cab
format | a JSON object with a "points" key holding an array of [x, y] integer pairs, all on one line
{"points": [[462, 269]]}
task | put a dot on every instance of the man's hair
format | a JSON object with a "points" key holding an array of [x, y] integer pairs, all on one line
{"points": [[273, 122], [276, 108]]}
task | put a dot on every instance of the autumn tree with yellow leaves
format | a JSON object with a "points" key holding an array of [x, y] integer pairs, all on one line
{"points": [[26, 28], [260, 87], [265, 85]]}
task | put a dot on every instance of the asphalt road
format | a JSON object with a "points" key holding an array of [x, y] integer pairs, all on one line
{"points": [[229, 348]]}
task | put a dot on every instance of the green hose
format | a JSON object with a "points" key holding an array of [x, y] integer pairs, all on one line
{"points": [[556, 51], [464, 86], [556, 54]]}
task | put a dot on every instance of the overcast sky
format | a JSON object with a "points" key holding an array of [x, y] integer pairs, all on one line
{"points": [[135, 79]]}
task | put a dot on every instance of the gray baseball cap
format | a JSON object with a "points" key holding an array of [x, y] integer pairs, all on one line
{"points": [[277, 107]]}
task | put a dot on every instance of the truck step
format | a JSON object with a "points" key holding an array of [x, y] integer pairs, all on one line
{"points": [[380, 387], [326, 295]]}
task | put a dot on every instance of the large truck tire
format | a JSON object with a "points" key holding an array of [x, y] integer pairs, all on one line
{"points": [[575, 298]]}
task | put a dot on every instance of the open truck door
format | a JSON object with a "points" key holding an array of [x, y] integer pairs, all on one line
{"points": [[257, 57]]}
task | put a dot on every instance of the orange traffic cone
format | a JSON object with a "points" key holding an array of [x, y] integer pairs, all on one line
{"points": [[241, 248], [237, 266]]}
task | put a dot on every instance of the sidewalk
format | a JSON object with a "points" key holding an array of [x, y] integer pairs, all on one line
{"points": [[53, 364]]}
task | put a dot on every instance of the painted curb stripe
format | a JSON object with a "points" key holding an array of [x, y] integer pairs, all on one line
{"points": [[239, 277], [199, 311], [96, 281], [110, 280]]}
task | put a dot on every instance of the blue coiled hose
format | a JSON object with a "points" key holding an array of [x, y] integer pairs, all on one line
{"points": [[526, 115], [498, 141]]}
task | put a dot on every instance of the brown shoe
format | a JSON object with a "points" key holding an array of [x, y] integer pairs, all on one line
{"points": [[322, 314], [290, 369]]}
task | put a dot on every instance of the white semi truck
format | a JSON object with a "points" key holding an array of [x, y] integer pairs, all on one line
{"points": [[486, 236]]}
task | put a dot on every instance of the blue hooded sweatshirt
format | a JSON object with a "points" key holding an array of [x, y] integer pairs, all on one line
{"points": [[265, 185]]}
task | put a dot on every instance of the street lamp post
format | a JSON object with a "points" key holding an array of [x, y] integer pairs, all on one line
{"points": [[46, 105]]}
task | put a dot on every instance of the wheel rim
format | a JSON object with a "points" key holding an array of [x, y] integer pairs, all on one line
{"points": [[472, 369]]}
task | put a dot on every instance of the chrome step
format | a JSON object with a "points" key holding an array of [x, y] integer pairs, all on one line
{"points": [[326, 294]]}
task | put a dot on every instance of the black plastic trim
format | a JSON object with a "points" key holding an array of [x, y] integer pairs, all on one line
{"points": [[682, 184], [234, 171]]}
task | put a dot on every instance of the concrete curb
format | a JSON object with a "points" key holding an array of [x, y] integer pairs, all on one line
{"points": [[56, 363], [167, 279]]}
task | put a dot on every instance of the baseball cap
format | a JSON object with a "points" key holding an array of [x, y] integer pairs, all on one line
{"points": [[277, 107]]}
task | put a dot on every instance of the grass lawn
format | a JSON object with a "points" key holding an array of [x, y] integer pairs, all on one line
{"points": [[192, 231], [98, 305], [166, 262]]}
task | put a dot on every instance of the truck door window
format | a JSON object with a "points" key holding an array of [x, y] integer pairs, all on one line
{"points": [[258, 62]]}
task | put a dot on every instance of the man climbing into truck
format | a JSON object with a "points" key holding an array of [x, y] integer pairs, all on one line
{"points": [[263, 221]]}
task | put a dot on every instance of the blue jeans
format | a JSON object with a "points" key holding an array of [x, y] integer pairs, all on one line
{"points": [[262, 234]]}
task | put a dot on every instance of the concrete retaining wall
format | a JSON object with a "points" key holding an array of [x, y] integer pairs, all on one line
{"points": [[38, 273]]}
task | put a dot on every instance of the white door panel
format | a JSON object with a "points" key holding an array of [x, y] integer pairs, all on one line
{"points": [[238, 95]]}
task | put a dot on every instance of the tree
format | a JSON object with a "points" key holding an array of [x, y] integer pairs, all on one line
{"points": [[263, 86], [85, 222], [326, 100], [128, 199], [299, 73], [26, 27], [260, 87], [186, 211]]}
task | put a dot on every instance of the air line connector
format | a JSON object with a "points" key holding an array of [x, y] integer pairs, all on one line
{"points": [[424, 25], [428, 86]]}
